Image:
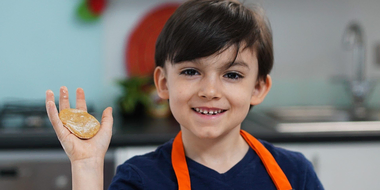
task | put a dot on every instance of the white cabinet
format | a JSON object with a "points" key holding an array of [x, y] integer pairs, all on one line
{"points": [[124, 153], [343, 166]]}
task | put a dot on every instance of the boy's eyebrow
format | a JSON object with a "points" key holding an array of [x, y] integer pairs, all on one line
{"points": [[227, 65], [237, 63]]}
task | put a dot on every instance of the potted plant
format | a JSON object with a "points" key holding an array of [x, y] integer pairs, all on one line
{"points": [[135, 98]]}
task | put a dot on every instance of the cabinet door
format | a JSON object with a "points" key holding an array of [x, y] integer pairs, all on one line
{"points": [[343, 166], [125, 153], [42, 170]]}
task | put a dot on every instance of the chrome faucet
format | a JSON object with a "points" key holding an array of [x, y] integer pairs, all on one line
{"points": [[359, 87]]}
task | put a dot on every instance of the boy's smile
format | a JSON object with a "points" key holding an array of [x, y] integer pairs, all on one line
{"points": [[211, 96], [208, 111]]}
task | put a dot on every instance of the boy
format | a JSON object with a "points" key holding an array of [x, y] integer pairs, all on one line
{"points": [[213, 58]]}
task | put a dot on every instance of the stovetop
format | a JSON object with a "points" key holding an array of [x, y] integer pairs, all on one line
{"points": [[26, 116]]}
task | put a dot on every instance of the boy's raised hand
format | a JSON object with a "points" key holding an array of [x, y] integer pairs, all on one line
{"points": [[75, 148]]}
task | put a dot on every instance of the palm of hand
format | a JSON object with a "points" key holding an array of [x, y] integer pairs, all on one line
{"points": [[78, 149]]}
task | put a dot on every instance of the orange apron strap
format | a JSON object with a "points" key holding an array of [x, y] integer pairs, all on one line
{"points": [[273, 169], [179, 163], [182, 172]]}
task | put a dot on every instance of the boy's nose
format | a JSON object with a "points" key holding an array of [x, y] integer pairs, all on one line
{"points": [[209, 89]]}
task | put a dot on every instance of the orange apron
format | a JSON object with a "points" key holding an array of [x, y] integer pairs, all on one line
{"points": [[273, 169]]}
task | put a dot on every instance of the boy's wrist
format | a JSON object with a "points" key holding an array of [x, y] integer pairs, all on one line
{"points": [[90, 166], [87, 174], [90, 162]]}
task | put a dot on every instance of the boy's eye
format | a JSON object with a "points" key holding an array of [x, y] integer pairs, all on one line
{"points": [[189, 72], [234, 76]]}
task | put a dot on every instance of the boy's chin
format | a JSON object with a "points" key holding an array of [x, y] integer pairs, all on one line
{"points": [[209, 134]]}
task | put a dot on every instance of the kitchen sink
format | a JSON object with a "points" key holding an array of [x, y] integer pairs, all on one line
{"points": [[318, 119], [320, 114], [308, 114]]}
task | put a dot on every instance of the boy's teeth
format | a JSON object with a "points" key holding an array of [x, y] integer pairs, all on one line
{"points": [[207, 112]]}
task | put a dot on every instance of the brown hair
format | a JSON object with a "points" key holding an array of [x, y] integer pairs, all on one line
{"points": [[200, 28]]}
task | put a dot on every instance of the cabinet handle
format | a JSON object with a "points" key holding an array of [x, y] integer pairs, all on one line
{"points": [[8, 172]]}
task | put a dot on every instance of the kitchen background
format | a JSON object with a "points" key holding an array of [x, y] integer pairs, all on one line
{"points": [[44, 45]]}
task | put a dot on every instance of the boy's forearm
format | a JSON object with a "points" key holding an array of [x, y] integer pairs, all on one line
{"points": [[87, 174]]}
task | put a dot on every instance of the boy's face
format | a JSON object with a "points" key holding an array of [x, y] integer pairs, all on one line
{"points": [[209, 97]]}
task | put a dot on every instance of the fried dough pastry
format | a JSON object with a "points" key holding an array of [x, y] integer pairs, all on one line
{"points": [[79, 122]]}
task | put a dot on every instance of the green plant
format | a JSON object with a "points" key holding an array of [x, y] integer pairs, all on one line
{"points": [[134, 93]]}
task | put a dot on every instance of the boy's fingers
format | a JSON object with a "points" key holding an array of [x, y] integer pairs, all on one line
{"points": [[81, 101], [49, 97], [63, 98], [105, 130], [52, 112]]}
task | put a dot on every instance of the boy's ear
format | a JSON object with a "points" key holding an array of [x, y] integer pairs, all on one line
{"points": [[261, 90], [161, 83]]}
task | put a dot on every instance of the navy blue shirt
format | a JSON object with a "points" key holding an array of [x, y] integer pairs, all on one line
{"points": [[154, 171]]}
